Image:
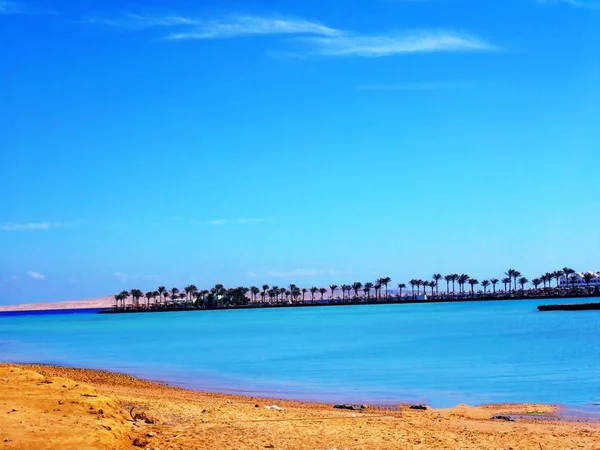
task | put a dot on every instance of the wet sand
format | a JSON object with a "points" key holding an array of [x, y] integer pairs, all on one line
{"points": [[44, 407]]}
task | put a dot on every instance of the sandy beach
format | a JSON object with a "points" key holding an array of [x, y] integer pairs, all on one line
{"points": [[44, 407]]}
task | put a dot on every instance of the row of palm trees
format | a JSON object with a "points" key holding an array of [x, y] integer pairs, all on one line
{"points": [[510, 281], [219, 296]]}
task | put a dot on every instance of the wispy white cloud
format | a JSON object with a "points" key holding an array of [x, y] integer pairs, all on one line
{"points": [[30, 226], [423, 41], [427, 86], [238, 26], [228, 27], [125, 278], [35, 275], [315, 38], [301, 273], [36, 226], [142, 21], [252, 274]]}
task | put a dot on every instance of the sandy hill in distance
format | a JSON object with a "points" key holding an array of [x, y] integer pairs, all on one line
{"points": [[100, 302]]}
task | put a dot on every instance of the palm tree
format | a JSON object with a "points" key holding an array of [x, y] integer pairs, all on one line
{"points": [[367, 289], [174, 293], [322, 291], [413, 283], [161, 291], [523, 281], [377, 288], [148, 296], [437, 277], [506, 281], [419, 284], [124, 297], [265, 288], [510, 273], [333, 287], [494, 281], [166, 297], [485, 284], [400, 287], [473, 282], [304, 291], [454, 279], [588, 277], [516, 274], [293, 288], [356, 287], [536, 282], [190, 291], [254, 290], [432, 284], [282, 292], [559, 273], [118, 297], [136, 294], [462, 279], [573, 278], [385, 281], [568, 272], [448, 279], [313, 291]]}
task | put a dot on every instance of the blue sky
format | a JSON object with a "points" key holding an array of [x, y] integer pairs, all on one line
{"points": [[312, 142]]}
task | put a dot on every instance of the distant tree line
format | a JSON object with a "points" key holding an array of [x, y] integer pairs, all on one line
{"points": [[512, 285]]}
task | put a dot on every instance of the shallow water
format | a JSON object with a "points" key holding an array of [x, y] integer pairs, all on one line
{"points": [[441, 354]]}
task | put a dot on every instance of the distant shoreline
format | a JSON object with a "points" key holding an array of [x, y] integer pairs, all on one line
{"points": [[390, 301], [105, 305]]}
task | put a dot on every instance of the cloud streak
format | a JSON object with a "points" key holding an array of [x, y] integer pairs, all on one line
{"points": [[35, 275], [313, 38], [230, 27], [423, 41], [36, 226], [142, 22], [33, 226], [239, 26]]}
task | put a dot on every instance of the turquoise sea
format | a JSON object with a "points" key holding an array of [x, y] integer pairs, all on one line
{"points": [[441, 354]]}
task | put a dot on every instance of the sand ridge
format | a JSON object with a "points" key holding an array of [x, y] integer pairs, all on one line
{"points": [[93, 303], [175, 418], [39, 412]]}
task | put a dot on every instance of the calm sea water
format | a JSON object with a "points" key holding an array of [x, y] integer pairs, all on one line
{"points": [[442, 354]]}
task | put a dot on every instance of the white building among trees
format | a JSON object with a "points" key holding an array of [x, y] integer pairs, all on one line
{"points": [[580, 279]]}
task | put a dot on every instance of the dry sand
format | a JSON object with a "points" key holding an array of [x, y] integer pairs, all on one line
{"points": [[45, 407], [100, 302]]}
